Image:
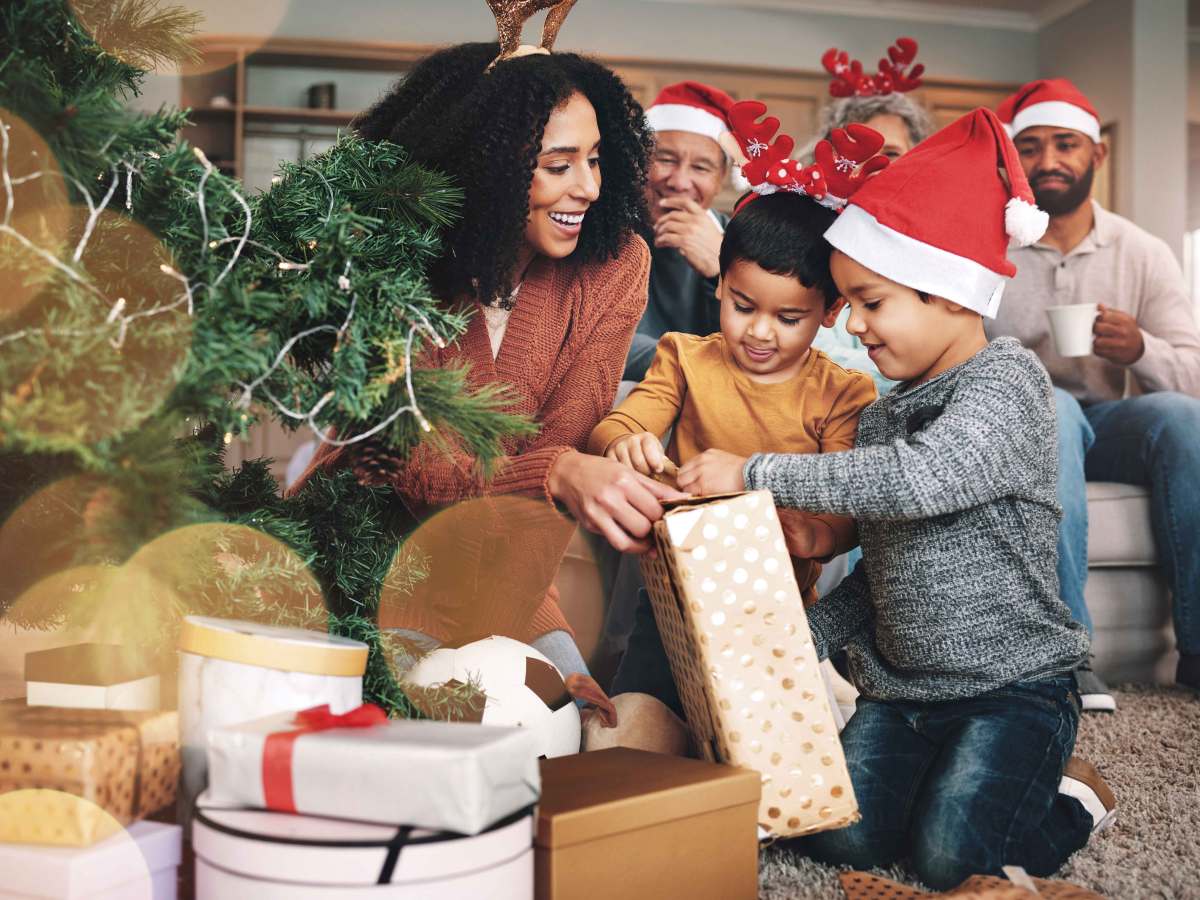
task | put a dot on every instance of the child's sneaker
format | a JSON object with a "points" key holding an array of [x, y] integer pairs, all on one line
{"points": [[1094, 695], [1081, 781]]}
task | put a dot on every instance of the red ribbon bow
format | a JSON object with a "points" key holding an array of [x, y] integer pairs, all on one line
{"points": [[278, 748]]}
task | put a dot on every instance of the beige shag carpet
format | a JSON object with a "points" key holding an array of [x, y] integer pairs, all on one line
{"points": [[1149, 753]]}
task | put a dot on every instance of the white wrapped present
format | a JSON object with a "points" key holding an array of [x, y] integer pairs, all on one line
{"points": [[140, 861], [449, 776]]}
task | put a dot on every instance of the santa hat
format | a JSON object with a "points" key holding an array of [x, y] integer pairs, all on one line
{"points": [[1051, 101], [939, 219], [691, 106]]}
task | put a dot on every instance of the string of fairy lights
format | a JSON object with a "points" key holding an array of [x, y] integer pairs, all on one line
{"points": [[119, 319]]}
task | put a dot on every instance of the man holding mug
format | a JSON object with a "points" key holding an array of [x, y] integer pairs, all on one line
{"points": [[1143, 333]]}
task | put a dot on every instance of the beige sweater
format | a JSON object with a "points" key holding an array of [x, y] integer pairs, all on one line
{"points": [[1121, 266]]}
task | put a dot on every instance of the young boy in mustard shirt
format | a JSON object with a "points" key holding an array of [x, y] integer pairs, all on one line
{"points": [[757, 386]]}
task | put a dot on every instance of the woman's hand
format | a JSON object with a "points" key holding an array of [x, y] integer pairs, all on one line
{"points": [[713, 472], [642, 452], [610, 499]]}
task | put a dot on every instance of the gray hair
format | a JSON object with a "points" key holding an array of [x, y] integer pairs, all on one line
{"points": [[851, 110]]}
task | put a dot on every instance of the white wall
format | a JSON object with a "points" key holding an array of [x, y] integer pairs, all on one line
{"points": [[1194, 80], [1159, 125], [644, 28]]}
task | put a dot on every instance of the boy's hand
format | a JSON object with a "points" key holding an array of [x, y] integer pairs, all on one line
{"points": [[713, 472], [642, 452], [806, 538]]}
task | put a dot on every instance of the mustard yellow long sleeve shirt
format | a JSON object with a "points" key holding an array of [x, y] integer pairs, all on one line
{"points": [[695, 386]]}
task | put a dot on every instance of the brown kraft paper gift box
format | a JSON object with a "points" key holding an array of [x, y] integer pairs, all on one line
{"points": [[625, 823], [126, 763], [733, 624]]}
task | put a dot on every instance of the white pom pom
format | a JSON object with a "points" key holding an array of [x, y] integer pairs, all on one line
{"points": [[740, 182], [1024, 222]]}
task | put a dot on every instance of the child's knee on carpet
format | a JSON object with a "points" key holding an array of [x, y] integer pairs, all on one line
{"points": [[858, 845], [944, 858]]}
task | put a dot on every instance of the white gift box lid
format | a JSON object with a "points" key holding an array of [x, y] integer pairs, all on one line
{"points": [[311, 850], [273, 646], [127, 858]]}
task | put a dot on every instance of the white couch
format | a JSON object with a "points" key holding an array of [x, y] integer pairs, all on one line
{"points": [[1126, 592]]}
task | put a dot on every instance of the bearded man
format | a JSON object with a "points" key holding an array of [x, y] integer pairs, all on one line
{"points": [[1145, 334]]}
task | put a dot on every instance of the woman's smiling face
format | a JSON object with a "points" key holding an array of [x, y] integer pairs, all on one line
{"points": [[566, 181]]}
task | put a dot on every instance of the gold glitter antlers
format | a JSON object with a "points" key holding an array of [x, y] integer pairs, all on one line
{"points": [[511, 16]]}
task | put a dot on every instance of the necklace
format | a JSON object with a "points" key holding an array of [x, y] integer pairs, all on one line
{"points": [[506, 303]]}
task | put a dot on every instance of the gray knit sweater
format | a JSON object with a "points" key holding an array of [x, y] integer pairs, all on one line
{"points": [[953, 484]]}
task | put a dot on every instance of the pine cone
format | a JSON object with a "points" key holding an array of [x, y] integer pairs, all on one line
{"points": [[375, 463]]}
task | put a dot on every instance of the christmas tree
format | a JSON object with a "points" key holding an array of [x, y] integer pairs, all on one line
{"points": [[150, 313]]}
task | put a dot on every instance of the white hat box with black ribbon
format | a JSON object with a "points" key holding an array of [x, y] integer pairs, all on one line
{"points": [[250, 853]]}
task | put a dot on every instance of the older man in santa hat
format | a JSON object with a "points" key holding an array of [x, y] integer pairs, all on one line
{"points": [[1145, 333], [687, 171]]}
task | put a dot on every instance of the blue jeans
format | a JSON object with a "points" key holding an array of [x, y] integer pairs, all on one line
{"points": [[1153, 441], [644, 667], [962, 787]]}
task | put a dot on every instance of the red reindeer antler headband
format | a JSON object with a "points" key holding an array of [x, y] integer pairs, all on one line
{"points": [[842, 166], [894, 75]]}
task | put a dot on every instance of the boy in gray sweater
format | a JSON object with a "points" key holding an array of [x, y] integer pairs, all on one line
{"points": [[954, 630]]}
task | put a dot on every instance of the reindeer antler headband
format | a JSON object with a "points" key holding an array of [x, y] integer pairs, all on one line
{"points": [[893, 75], [843, 163], [511, 16]]}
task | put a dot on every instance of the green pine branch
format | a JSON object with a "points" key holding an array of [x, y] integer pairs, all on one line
{"points": [[121, 382]]}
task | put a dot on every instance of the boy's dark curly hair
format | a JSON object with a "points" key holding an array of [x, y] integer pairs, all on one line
{"points": [[783, 233], [484, 129]]}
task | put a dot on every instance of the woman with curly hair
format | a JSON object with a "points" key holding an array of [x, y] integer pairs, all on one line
{"points": [[550, 151]]}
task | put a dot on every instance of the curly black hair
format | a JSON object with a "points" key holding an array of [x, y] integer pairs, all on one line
{"points": [[783, 233], [484, 129]]}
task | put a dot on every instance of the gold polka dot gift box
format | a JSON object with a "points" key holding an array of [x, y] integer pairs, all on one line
{"points": [[729, 610], [79, 775]]}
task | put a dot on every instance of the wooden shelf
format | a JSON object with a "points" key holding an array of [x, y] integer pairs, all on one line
{"points": [[298, 114]]}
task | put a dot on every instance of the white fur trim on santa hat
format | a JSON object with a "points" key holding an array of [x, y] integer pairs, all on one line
{"points": [[915, 264], [681, 117], [1024, 222], [1055, 113]]}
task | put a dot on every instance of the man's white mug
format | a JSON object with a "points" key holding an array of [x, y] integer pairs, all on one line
{"points": [[1072, 328]]}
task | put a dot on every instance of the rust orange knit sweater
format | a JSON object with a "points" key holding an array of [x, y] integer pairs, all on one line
{"points": [[494, 547]]}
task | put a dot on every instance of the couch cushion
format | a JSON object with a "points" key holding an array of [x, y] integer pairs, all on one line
{"points": [[1131, 612], [1119, 532]]}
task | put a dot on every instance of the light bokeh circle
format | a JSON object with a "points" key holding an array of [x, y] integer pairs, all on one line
{"points": [[39, 214], [44, 816], [112, 348]]}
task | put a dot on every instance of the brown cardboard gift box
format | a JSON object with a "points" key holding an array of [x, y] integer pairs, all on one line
{"points": [[125, 764], [631, 824], [733, 624]]}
